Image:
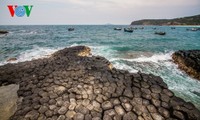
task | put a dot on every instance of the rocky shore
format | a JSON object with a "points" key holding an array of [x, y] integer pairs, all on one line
{"points": [[71, 84], [189, 61]]}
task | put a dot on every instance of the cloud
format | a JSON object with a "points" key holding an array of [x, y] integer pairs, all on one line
{"points": [[98, 11], [128, 2]]}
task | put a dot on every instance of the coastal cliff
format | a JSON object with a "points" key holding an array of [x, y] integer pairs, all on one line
{"points": [[192, 20], [189, 61], [72, 84]]}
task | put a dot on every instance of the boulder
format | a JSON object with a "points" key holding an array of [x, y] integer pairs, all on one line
{"points": [[8, 101]]}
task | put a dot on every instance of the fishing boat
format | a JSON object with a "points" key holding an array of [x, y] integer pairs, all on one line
{"points": [[128, 30], [160, 33], [193, 29], [117, 28], [70, 29]]}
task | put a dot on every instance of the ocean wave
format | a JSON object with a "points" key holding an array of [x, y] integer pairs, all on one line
{"points": [[161, 64], [123, 66], [35, 53], [155, 58]]}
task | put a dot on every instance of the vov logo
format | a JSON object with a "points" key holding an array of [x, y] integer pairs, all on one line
{"points": [[20, 11]]}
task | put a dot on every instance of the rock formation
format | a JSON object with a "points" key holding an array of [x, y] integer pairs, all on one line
{"points": [[3, 32], [71, 85], [189, 61]]}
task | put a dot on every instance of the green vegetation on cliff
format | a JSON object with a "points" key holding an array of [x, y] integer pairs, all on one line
{"points": [[192, 20]]}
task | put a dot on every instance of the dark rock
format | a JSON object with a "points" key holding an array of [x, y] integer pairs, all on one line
{"points": [[168, 92], [179, 115], [32, 115], [165, 105], [156, 89], [115, 101], [107, 117], [62, 110], [145, 85], [155, 95], [96, 114], [79, 116], [140, 109], [3, 32], [85, 102], [146, 96], [130, 116], [61, 117], [157, 116], [107, 105], [164, 112], [43, 109], [156, 102], [82, 109], [49, 113], [165, 98], [189, 61], [44, 100], [119, 110], [128, 93], [127, 106], [145, 102], [88, 117], [110, 112], [70, 114], [11, 59], [147, 116], [137, 92], [151, 109]]}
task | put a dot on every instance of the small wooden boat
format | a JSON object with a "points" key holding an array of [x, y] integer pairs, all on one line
{"points": [[128, 30], [3, 32], [160, 33], [70, 29], [193, 29], [117, 28]]}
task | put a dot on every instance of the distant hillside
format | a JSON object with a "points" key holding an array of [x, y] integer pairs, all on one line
{"points": [[192, 20]]}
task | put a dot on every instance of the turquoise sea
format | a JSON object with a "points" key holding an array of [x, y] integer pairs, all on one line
{"points": [[141, 50]]}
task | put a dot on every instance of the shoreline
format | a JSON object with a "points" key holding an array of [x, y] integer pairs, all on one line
{"points": [[73, 84]]}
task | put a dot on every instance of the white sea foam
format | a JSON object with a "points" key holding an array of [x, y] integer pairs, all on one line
{"points": [[124, 66], [154, 58], [35, 53]]}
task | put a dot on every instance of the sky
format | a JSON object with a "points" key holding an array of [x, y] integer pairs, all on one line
{"points": [[86, 12]]}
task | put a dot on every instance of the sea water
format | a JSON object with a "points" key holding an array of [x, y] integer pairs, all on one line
{"points": [[141, 50]]}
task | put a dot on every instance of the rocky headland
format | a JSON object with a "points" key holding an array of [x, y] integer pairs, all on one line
{"points": [[191, 20], [72, 84], [189, 61]]}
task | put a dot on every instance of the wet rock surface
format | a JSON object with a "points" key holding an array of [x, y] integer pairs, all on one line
{"points": [[189, 61], [71, 85]]}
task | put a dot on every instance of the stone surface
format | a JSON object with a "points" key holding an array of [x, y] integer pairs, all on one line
{"points": [[119, 110], [71, 85], [8, 101], [107, 105], [62, 110]]}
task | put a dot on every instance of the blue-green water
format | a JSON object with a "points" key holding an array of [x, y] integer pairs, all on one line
{"points": [[141, 50]]}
